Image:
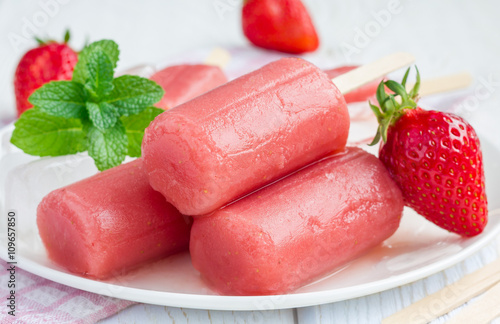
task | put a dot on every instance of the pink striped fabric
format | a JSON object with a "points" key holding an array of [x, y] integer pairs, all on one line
{"points": [[39, 300]]}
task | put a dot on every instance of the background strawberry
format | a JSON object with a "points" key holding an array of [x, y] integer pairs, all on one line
{"points": [[435, 158], [49, 61], [282, 25]]}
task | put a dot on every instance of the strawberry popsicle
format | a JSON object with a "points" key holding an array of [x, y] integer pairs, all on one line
{"points": [[363, 93], [184, 82], [244, 134], [109, 223], [299, 228]]}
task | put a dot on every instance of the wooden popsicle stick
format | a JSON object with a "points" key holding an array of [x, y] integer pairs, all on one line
{"points": [[448, 298], [218, 57], [443, 84], [481, 311], [372, 71]]}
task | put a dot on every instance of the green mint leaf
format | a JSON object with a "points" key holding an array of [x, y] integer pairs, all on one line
{"points": [[80, 72], [92, 112], [100, 73], [41, 134], [132, 94], [103, 115], [60, 98], [135, 126], [107, 147]]}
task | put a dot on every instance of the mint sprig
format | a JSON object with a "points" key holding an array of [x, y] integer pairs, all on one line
{"points": [[93, 112]]}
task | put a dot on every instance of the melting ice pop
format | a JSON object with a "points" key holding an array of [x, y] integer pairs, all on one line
{"points": [[251, 131], [299, 228], [186, 81], [110, 223]]}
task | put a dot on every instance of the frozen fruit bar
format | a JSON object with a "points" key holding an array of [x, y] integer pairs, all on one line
{"points": [[184, 82], [110, 223], [364, 93], [298, 229], [244, 134]]}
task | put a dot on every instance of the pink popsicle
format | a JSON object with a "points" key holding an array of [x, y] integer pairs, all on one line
{"points": [[244, 134], [184, 82], [298, 229], [110, 223], [364, 93]]}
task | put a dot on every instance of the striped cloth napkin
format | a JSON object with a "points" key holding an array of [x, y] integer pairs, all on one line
{"points": [[39, 300]]}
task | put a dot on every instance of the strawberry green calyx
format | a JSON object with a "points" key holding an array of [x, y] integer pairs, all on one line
{"points": [[391, 107], [67, 36], [42, 42]]}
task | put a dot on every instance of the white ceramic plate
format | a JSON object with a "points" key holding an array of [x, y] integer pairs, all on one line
{"points": [[418, 249]]}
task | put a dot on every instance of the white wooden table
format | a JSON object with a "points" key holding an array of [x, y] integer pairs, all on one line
{"points": [[446, 36]]}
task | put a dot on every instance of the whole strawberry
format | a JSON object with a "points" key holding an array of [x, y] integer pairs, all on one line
{"points": [[49, 61], [434, 157], [281, 25]]}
